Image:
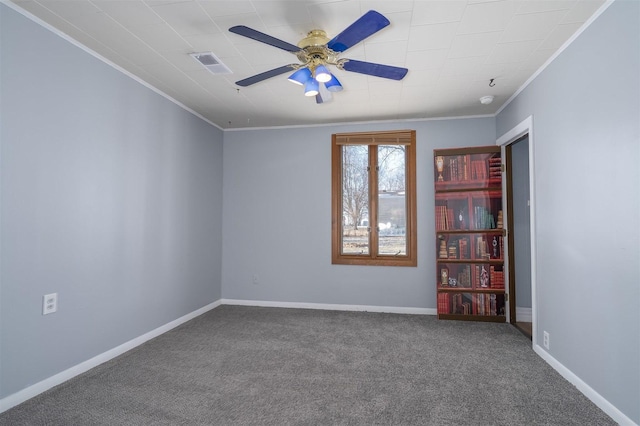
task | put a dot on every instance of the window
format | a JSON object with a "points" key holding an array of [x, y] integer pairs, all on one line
{"points": [[374, 198]]}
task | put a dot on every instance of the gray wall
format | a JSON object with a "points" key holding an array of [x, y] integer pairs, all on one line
{"points": [[521, 220], [110, 196], [277, 217], [586, 136]]}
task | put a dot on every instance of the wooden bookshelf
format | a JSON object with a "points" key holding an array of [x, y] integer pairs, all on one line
{"points": [[470, 237]]}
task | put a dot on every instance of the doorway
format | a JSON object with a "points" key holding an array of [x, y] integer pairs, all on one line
{"points": [[519, 233], [522, 251]]}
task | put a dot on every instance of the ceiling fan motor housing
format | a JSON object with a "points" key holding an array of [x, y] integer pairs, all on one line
{"points": [[314, 50], [314, 38]]}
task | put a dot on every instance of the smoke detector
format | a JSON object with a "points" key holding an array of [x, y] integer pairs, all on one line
{"points": [[486, 100]]}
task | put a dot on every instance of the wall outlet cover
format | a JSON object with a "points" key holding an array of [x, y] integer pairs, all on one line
{"points": [[545, 340], [49, 303]]}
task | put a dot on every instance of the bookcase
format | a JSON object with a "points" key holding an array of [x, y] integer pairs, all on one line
{"points": [[470, 252]]}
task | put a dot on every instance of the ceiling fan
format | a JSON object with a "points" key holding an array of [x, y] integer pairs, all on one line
{"points": [[316, 51]]}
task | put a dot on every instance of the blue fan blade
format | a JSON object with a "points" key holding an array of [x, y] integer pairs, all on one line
{"points": [[369, 23], [263, 76], [378, 70], [264, 38]]}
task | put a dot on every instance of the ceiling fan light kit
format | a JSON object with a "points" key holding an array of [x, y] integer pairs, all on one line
{"points": [[316, 52], [312, 79]]}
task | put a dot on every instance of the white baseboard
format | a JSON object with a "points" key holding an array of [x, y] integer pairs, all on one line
{"points": [[523, 314], [617, 415], [331, 307], [44, 385], [36, 389]]}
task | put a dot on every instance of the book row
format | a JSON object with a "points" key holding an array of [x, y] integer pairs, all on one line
{"points": [[496, 277], [483, 218], [485, 247], [444, 219], [477, 277], [470, 304], [457, 169], [495, 167], [460, 168]]}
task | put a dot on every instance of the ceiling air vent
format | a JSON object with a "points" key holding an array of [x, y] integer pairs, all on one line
{"points": [[211, 62]]}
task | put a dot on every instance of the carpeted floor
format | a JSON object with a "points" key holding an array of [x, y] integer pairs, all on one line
{"points": [[269, 366]]}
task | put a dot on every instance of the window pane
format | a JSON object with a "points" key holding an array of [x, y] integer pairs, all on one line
{"points": [[355, 199], [392, 205]]}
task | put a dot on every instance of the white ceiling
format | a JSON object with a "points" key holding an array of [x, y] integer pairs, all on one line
{"points": [[451, 48]]}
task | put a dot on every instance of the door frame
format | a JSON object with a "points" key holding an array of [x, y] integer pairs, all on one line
{"points": [[525, 127]]}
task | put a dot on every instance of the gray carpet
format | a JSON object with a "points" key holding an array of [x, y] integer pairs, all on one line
{"points": [[269, 366]]}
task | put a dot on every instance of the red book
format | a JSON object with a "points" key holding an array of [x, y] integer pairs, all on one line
{"points": [[443, 303]]}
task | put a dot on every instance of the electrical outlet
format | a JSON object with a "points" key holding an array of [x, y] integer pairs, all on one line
{"points": [[49, 303], [545, 340]]}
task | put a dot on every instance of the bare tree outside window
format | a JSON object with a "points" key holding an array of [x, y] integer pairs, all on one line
{"points": [[391, 167], [355, 199]]}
